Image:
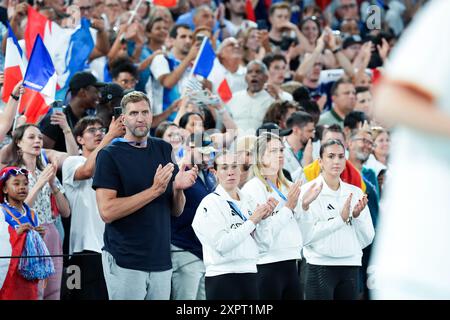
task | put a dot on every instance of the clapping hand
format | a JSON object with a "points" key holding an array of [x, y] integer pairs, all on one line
{"points": [[185, 179], [294, 193], [162, 178], [311, 195], [360, 206]]}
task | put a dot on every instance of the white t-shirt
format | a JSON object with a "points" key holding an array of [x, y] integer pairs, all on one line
{"points": [[234, 29], [248, 111], [86, 229], [158, 67], [236, 81], [411, 258]]}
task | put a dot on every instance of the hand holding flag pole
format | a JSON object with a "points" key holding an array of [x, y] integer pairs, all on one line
{"points": [[18, 92], [133, 14]]}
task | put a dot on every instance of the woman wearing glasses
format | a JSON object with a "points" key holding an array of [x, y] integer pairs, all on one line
{"points": [[27, 147], [226, 223], [337, 226], [277, 265]]}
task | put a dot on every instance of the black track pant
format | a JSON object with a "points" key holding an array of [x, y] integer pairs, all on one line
{"points": [[93, 285], [232, 286], [331, 282], [279, 281]]}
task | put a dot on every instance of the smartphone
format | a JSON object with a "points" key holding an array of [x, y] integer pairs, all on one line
{"points": [[262, 25], [57, 106], [117, 112], [200, 37]]}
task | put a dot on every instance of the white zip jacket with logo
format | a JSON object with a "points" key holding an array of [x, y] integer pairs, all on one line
{"points": [[286, 239], [228, 242], [329, 241]]}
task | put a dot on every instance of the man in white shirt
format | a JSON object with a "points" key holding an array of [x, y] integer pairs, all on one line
{"points": [[86, 231], [277, 66], [235, 11], [248, 107], [230, 56], [172, 70]]}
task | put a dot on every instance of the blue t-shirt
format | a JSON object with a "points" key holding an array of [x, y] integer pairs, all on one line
{"points": [[141, 240]]}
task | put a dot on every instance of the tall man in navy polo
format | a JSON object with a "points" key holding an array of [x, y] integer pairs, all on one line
{"points": [[137, 189]]}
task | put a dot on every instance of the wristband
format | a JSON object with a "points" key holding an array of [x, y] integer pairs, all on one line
{"points": [[336, 50]]}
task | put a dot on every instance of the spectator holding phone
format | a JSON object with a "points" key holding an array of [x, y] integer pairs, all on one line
{"points": [[255, 43], [84, 92]]}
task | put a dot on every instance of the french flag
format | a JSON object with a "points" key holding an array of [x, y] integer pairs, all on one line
{"points": [[14, 67], [208, 66], [12, 285], [165, 3], [40, 81], [69, 48]]}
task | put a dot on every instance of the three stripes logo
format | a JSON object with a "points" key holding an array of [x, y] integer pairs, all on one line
{"points": [[330, 207]]}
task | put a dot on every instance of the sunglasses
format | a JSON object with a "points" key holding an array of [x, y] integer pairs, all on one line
{"points": [[14, 172], [94, 130]]}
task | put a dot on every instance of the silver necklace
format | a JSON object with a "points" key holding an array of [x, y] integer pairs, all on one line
{"points": [[22, 211]]}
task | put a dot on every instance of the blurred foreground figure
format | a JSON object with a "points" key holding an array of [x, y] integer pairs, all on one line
{"points": [[411, 259]]}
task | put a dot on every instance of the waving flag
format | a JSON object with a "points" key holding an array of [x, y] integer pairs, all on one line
{"points": [[69, 48], [40, 80], [250, 11], [14, 67], [208, 66], [165, 3], [73, 56]]}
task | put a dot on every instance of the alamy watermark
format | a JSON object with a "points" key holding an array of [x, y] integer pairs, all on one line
{"points": [[373, 20]]}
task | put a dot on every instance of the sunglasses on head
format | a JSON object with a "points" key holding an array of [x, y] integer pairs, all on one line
{"points": [[14, 172]]}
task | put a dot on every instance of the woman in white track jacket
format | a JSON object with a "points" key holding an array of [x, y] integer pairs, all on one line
{"points": [[336, 226], [277, 265], [225, 225]]}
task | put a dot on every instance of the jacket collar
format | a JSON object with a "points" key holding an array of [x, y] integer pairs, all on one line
{"points": [[222, 192], [326, 190]]}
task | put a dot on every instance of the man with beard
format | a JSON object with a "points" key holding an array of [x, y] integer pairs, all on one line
{"points": [[236, 19], [298, 145], [344, 98], [188, 278], [360, 146], [172, 71], [138, 188], [248, 107]]}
